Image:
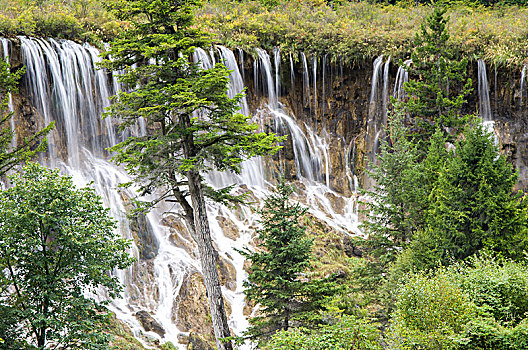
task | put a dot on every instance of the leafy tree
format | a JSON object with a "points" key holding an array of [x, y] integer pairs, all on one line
{"points": [[57, 243], [28, 147], [438, 84], [276, 277], [192, 125]]}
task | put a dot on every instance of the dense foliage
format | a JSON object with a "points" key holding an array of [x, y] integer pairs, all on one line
{"points": [[343, 333], [57, 244], [358, 31], [277, 278], [480, 304]]}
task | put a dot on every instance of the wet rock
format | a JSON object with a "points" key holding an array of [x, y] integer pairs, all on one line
{"points": [[198, 343], [338, 203], [141, 230], [149, 323], [180, 235], [228, 227], [227, 273], [190, 311]]}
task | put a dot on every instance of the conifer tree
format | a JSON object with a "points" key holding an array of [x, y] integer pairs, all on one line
{"points": [[277, 279], [192, 126], [438, 83], [473, 205]]}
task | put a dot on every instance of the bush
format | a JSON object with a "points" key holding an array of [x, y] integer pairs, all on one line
{"points": [[480, 304], [345, 333]]}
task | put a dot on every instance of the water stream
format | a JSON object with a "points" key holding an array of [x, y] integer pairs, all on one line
{"points": [[64, 86]]}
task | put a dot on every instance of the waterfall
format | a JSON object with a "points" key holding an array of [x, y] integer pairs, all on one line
{"points": [[401, 78], [276, 60], [523, 82], [307, 97], [64, 86], [483, 92]]}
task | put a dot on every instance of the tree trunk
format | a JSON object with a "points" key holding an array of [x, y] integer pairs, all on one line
{"points": [[202, 237]]}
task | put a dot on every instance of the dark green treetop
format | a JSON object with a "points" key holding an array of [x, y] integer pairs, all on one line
{"points": [[57, 243], [277, 277], [192, 124], [473, 205], [438, 83]]}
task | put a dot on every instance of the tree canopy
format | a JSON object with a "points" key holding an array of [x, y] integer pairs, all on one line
{"points": [[57, 244]]}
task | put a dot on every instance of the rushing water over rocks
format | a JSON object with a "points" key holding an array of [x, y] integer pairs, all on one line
{"points": [[163, 289]]}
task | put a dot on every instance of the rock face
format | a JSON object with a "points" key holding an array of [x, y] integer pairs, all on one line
{"points": [[149, 323], [339, 107], [191, 309]]}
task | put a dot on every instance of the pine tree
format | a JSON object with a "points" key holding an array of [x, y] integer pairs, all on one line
{"points": [[277, 278], [192, 126], [473, 205], [438, 83]]}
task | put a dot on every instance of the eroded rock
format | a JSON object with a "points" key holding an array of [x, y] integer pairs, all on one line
{"points": [[149, 323]]}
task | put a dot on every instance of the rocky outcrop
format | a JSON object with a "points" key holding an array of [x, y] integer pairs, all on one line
{"points": [[149, 323], [190, 311]]}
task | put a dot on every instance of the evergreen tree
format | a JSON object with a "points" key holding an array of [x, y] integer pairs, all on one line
{"points": [[277, 279], [192, 126], [472, 204], [438, 83], [28, 147]]}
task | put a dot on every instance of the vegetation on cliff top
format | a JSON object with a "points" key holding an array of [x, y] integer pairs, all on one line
{"points": [[356, 31], [360, 31]]}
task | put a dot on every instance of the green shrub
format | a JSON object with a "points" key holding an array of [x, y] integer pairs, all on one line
{"points": [[345, 333], [480, 304]]}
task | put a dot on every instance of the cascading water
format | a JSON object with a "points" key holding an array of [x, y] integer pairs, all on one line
{"points": [[484, 100], [5, 53], [401, 78], [523, 83], [64, 86], [483, 92]]}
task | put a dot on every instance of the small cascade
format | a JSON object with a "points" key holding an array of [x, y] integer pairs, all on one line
{"points": [[292, 73], [323, 88], [484, 100], [307, 97], [483, 92], [374, 91], [377, 113], [276, 61], [268, 77], [315, 104], [241, 61], [385, 94], [524, 81], [401, 78], [5, 54]]}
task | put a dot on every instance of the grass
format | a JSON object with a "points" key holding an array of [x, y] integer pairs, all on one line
{"points": [[354, 31], [359, 31]]}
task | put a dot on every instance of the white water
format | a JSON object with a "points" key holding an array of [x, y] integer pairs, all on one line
{"points": [[66, 88], [484, 100], [523, 82], [401, 78], [5, 53]]}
